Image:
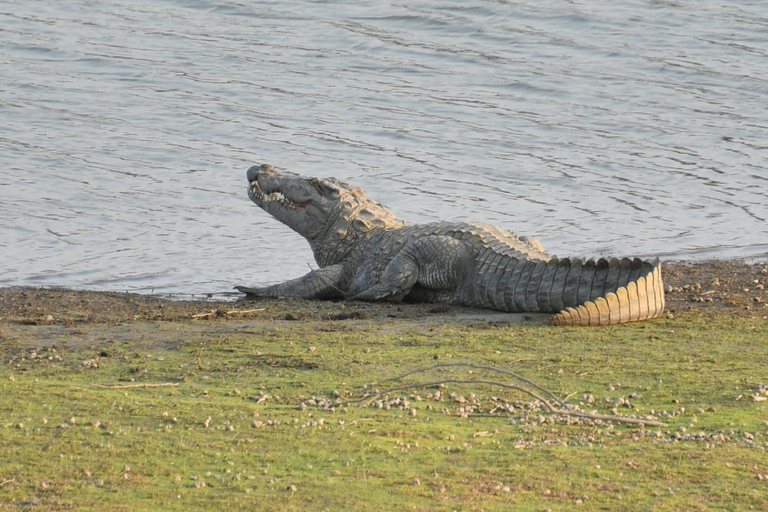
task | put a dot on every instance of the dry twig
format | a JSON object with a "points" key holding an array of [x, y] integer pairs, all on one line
{"points": [[216, 312], [480, 367], [244, 311], [131, 386], [564, 409]]}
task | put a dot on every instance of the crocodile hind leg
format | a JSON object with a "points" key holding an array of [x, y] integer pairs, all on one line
{"points": [[432, 267]]}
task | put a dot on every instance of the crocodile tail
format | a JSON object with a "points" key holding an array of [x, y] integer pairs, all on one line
{"points": [[602, 292], [606, 292]]}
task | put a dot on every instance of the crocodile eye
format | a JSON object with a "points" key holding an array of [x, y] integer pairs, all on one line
{"points": [[326, 188]]}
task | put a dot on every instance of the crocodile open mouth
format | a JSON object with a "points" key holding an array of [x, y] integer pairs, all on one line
{"points": [[274, 196]]}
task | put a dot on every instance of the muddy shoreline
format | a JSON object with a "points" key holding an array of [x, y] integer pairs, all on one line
{"points": [[724, 286]]}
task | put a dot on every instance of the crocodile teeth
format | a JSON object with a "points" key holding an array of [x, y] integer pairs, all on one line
{"points": [[273, 196], [256, 190]]}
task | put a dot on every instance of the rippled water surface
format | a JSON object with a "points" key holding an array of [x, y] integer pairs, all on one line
{"points": [[601, 128]]}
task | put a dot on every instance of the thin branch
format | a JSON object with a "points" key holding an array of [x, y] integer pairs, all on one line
{"points": [[480, 367], [371, 396], [215, 312], [7, 481], [131, 386], [244, 311], [566, 410], [619, 419]]}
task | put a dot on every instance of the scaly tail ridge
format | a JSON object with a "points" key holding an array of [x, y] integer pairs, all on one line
{"points": [[641, 298]]}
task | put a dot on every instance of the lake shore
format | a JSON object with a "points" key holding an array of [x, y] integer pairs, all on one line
{"points": [[116, 401], [734, 287]]}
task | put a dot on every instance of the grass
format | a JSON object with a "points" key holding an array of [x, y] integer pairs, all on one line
{"points": [[231, 432]]}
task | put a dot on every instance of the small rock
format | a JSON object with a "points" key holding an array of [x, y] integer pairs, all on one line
{"points": [[291, 488]]}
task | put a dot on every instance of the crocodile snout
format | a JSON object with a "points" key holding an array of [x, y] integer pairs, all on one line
{"points": [[253, 172]]}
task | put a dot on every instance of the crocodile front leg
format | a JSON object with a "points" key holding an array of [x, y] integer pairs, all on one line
{"points": [[434, 267], [324, 283]]}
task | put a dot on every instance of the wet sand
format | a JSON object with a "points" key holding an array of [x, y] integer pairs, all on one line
{"points": [[725, 286]]}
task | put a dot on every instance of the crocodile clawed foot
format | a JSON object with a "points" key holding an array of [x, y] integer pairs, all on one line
{"points": [[250, 292], [373, 295]]}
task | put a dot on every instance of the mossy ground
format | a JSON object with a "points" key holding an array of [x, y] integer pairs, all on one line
{"points": [[227, 431]]}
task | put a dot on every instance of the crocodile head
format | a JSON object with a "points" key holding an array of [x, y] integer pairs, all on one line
{"points": [[316, 208]]}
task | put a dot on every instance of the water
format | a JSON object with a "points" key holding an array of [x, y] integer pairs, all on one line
{"points": [[601, 128]]}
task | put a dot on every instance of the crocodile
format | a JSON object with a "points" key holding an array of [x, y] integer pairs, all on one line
{"points": [[366, 253]]}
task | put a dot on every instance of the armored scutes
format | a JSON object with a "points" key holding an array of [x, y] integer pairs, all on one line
{"points": [[366, 253]]}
